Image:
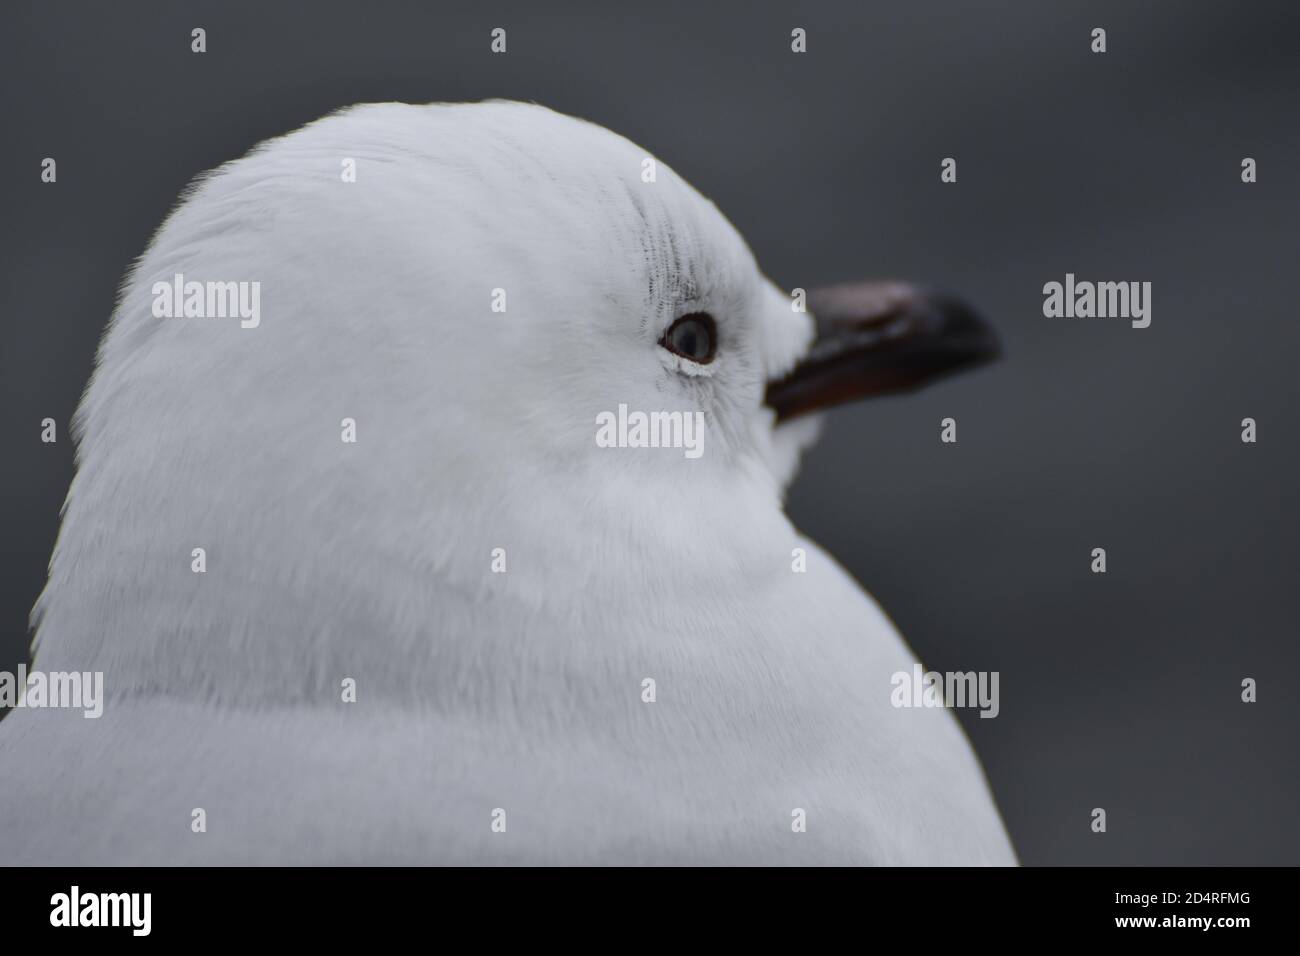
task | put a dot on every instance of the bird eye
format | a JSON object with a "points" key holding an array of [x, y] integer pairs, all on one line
{"points": [[693, 336]]}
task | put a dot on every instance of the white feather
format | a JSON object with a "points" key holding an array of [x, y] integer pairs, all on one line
{"points": [[475, 431]]}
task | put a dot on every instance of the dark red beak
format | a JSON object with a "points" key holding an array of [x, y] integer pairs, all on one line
{"points": [[877, 338]]}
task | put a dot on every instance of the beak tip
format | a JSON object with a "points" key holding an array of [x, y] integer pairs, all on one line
{"points": [[967, 332]]}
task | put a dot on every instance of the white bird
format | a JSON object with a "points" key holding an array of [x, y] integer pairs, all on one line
{"points": [[499, 716]]}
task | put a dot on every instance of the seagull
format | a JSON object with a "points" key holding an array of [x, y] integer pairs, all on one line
{"points": [[364, 588]]}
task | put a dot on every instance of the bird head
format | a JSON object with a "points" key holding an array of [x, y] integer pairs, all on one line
{"points": [[494, 285]]}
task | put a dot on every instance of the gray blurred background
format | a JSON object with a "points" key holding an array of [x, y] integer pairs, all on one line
{"points": [[1119, 690]]}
